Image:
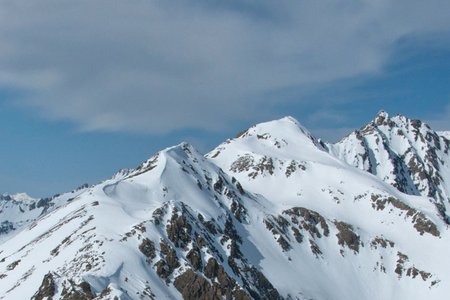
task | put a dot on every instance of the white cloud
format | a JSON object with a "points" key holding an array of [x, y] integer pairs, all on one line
{"points": [[157, 66]]}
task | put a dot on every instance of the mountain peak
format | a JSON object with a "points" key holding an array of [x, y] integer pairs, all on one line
{"points": [[178, 153], [289, 119], [284, 121], [382, 118], [382, 114], [398, 121], [403, 152], [280, 130], [183, 147], [270, 145], [251, 220], [182, 151], [20, 197], [445, 134]]}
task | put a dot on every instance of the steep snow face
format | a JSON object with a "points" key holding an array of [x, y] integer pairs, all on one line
{"points": [[270, 214], [304, 184], [405, 153]]}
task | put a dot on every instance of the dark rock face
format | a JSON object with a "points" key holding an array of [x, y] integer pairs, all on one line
{"points": [[421, 223], [293, 167], [179, 230], [220, 285], [195, 258], [299, 222], [207, 279], [47, 289], [6, 227], [169, 261], [147, 247], [264, 289], [412, 272], [158, 215], [13, 265], [193, 286], [247, 163], [72, 291], [308, 220], [211, 268], [315, 248], [347, 237], [381, 242]]}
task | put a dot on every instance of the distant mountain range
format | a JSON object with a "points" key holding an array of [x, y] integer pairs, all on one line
{"points": [[274, 213]]}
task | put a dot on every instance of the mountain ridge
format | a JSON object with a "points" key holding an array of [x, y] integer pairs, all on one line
{"points": [[404, 152], [271, 214]]}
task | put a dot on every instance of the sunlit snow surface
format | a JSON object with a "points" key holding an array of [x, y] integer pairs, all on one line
{"points": [[275, 173]]}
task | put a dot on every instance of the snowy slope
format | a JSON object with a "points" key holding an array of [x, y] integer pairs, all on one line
{"points": [[20, 210], [445, 134], [281, 161], [403, 152], [270, 214], [132, 235]]}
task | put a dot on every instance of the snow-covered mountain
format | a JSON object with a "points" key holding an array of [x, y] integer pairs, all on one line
{"points": [[445, 134], [405, 153], [20, 210], [271, 214]]}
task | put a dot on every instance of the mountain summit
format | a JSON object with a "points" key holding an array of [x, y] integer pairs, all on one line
{"points": [[271, 214], [403, 152]]}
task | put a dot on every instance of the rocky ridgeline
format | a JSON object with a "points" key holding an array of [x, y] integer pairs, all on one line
{"points": [[271, 214], [405, 153]]}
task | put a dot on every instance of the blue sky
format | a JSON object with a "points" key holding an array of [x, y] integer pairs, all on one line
{"points": [[90, 87]]}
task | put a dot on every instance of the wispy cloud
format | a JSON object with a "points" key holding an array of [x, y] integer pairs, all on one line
{"points": [[158, 66]]}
